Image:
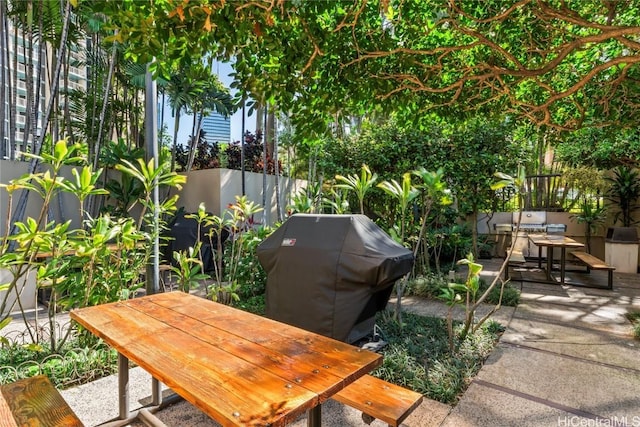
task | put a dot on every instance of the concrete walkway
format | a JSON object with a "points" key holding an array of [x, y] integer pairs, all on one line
{"points": [[567, 358]]}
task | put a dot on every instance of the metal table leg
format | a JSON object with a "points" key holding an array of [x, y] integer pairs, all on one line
{"points": [[540, 257], [123, 386], [563, 257], [315, 417], [549, 263], [156, 392]]}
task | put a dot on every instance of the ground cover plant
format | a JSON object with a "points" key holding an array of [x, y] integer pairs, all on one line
{"points": [[634, 318], [430, 285], [75, 363], [418, 357]]}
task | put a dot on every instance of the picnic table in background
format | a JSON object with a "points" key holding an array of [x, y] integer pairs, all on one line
{"points": [[551, 242]]}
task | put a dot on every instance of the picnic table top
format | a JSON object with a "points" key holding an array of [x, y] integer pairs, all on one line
{"points": [[237, 367]]}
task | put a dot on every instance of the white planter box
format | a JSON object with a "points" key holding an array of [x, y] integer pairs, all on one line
{"points": [[217, 189], [622, 256]]}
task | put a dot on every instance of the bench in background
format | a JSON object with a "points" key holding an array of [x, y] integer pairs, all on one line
{"points": [[379, 399], [594, 263], [35, 402], [516, 258]]}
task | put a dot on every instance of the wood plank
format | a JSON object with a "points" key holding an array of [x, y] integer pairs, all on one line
{"points": [[185, 363], [592, 261], [262, 330], [556, 241], [380, 399], [35, 402], [278, 362], [6, 417], [323, 365]]}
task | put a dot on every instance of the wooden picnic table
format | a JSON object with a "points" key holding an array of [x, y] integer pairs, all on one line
{"points": [[237, 367], [551, 242]]}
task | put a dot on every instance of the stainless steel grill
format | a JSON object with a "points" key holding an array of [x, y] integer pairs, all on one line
{"points": [[531, 222]]}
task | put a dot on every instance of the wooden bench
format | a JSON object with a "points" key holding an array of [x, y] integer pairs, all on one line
{"points": [[515, 258], [594, 263], [34, 402], [379, 399]]}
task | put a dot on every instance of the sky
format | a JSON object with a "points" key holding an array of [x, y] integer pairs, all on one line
{"points": [[222, 70]]}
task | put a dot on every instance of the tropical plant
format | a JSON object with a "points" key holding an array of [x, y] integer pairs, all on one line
{"points": [[434, 193], [231, 236], [181, 90], [359, 185], [336, 202], [404, 194], [207, 154], [96, 263], [214, 97], [253, 147], [301, 202], [624, 191], [188, 268], [592, 217], [469, 293]]}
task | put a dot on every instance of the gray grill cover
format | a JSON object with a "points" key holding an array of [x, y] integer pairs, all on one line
{"points": [[326, 273]]}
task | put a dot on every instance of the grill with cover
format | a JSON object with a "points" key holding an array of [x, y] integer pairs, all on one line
{"points": [[182, 234], [330, 274]]}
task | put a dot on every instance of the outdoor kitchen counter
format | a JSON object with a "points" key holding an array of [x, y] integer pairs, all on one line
{"points": [[551, 242]]}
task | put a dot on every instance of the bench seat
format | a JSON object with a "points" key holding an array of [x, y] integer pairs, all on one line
{"points": [[35, 402], [594, 263], [515, 258], [379, 399]]}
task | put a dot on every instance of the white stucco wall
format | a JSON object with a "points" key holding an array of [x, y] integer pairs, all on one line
{"points": [[63, 207], [217, 188]]}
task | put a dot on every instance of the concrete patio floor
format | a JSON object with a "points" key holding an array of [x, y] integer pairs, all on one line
{"points": [[567, 358]]}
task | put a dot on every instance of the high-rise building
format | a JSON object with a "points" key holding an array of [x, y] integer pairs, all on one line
{"points": [[27, 110], [217, 128]]}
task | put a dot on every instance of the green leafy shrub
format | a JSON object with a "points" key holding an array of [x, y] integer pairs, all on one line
{"points": [[430, 284], [418, 357], [95, 263], [427, 285], [250, 275], [237, 272], [510, 296], [75, 363], [634, 318], [254, 304]]}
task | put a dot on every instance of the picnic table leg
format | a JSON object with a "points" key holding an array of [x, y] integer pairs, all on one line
{"points": [[540, 257], [156, 392], [563, 258], [123, 386], [315, 416], [549, 263]]}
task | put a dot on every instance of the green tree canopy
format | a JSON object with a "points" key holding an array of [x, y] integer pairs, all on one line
{"points": [[562, 63], [602, 148]]}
